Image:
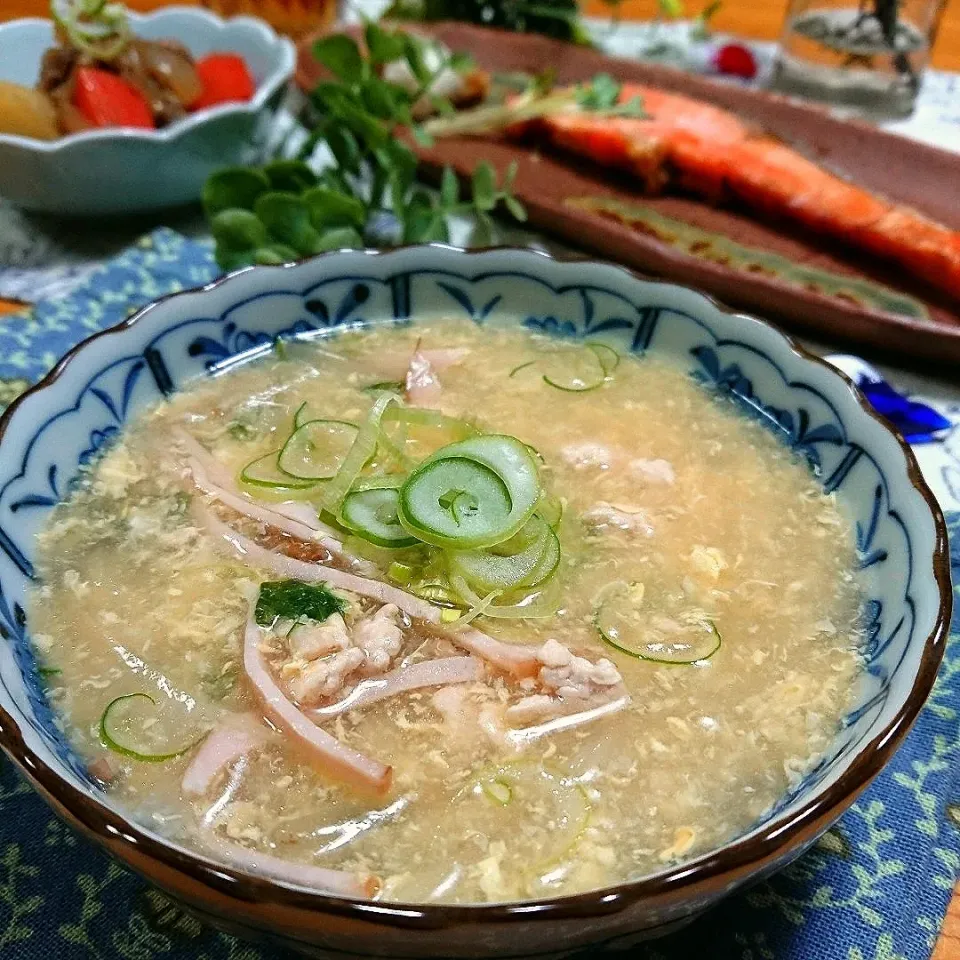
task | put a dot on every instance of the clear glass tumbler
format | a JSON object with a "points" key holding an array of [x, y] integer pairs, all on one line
{"points": [[295, 18], [868, 55]]}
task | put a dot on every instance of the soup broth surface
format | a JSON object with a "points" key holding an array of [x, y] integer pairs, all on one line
{"points": [[670, 497]]}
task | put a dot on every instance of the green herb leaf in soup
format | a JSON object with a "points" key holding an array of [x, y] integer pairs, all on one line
{"points": [[293, 600]]}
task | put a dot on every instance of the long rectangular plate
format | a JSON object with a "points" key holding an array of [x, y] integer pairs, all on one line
{"points": [[807, 282]]}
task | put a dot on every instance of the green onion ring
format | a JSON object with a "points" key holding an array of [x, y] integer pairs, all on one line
{"points": [[109, 738], [372, 515], [619, 623], [471, 494], [364, 447], [316, 449], [535, 557]]}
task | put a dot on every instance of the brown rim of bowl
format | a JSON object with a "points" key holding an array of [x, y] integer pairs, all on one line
{"points": [[733, 859]]}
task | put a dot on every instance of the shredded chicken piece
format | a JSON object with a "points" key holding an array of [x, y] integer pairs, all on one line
{"points": [[105, 768], [514, 658], [422, 383], [571, 676], [446, 671], [342, 883], [307, 641], [319, 679], [631, 520], [450, 704], [568, 684], [237, 736], [333, 655], [532, 708], [567, 721], [295, 519], [330, 754], [236, 544], [652, 471], [379, 638], [588, 455]]}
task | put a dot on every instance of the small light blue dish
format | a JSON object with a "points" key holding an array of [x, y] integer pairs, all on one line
{"points": [[84, 403], [125, 171]]}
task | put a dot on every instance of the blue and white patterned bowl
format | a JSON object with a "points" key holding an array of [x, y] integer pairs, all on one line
{"points": [[121, 171], [47, 435]]}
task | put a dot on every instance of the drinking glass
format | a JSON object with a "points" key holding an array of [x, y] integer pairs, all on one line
{"points": [[292, 17], [869, 55]]}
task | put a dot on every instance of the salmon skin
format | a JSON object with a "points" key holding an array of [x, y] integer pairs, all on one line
{"points": [[714, 154]]}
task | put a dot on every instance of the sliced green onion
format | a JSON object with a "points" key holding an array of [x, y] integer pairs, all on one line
{"points": [[625, 625], [548, 564], [608, 357], [412, 434], [512, 564], [122, 730], [386, 386], [316, 450], [364, 447], [99, 29], [563, 803], [552, 510], [372, 514], [440, 594], [303, 415], [498, 790], [264, 472], [393, 445], [471, 494], [401, 573], [379, 481], [478, 609], [421, 417], [539, 604], [574, 371]]}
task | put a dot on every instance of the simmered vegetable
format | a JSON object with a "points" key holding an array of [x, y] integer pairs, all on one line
{"points": [[224, 78], [100, 75], [107, 100], [27, 113]]}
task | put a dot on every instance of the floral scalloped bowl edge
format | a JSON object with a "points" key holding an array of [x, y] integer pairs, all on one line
{"points": [[48, 435]]}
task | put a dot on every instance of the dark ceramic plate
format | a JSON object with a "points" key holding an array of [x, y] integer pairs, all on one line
{"points": [[900, 169]]}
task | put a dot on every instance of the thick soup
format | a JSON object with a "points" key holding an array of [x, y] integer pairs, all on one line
{"points": [[443, 614]]}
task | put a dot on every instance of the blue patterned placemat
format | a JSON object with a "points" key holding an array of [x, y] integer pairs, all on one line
{"points": [[875, 888]]}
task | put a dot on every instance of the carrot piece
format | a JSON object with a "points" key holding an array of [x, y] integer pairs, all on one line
{"points": [[224, 78], [108, 101]]}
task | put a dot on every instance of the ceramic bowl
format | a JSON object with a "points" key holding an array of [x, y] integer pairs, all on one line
{"points": [[59, 425], [123, 171]]}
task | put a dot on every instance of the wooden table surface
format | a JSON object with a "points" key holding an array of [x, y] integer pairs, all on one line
{"points": [[749, 18]]}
